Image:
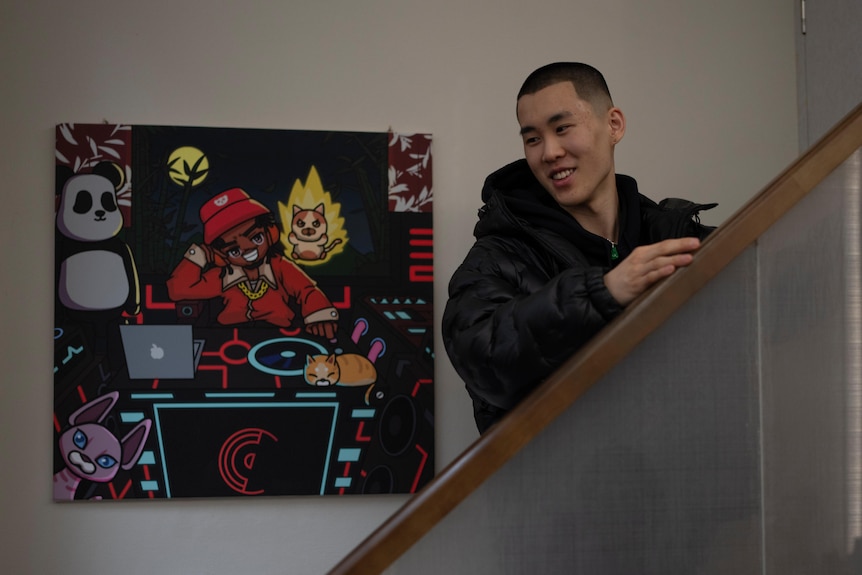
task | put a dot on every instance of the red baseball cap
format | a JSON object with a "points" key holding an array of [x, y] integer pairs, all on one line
{"points": [[228, 210]]}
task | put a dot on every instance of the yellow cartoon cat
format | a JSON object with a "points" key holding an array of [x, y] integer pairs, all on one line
{"points": [[308, 234]]}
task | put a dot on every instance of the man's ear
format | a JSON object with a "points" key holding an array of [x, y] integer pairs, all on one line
{"points": [[617, 124]]}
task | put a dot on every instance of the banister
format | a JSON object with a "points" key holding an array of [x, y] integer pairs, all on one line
{"points": [[500, 443]]}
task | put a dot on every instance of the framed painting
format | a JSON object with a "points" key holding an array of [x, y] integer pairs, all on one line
{"points": [[241, 312]]}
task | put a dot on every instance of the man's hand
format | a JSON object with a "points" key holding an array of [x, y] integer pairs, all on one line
{"points": [[209, 252], [648, 264], [323, 329]]}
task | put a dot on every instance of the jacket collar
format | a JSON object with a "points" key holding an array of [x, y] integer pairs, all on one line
{"points": [[239, 275], [526, 205]]}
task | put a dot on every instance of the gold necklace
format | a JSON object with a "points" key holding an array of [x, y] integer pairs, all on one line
{"points": [[256, 294]]}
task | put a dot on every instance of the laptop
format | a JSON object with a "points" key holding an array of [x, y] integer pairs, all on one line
{"points": [[160, 351]]}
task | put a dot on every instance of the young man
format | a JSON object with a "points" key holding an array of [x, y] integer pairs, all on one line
{"points": [[240, 261], [563, 244]]}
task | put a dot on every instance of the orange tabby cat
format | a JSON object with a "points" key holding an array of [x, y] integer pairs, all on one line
{"points": [[349, 369]]}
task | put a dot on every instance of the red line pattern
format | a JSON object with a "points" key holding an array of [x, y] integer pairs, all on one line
{"points": [[121, 494], [345, 300], [421, 468], [359, 430], [420, 383], [147, 477], [345, 474], [219, 368], [421, 272], [150, 304]]}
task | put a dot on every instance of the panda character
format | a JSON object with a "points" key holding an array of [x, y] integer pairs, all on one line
{"points": [[97, 279]]}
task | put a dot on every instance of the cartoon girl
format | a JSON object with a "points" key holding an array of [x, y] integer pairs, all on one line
{"points": [[241, 262]]}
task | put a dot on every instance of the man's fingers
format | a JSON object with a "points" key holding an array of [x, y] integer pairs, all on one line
{"points": [[669, 248], [659, 273], [647, 265], [679, 246], [676, 252], [677, 260]]}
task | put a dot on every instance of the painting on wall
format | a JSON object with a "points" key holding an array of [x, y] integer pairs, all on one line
{"points": [[241, 312]]}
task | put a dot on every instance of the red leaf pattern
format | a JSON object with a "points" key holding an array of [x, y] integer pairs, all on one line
{"points": [[410, 187]]}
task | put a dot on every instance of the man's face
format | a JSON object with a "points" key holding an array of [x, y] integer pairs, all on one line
{"points": [[569, 147], [245, 245]]}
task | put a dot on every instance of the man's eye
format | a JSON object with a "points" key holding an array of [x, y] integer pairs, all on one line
{"points": [[563, 128], [233, 252], [257, 239], [530, 141]]}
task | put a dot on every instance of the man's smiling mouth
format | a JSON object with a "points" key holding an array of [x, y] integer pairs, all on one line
{"points": [[250, 256], [562, 174]]}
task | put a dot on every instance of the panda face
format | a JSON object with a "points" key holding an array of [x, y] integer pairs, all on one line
{"points": [[88, 209]]}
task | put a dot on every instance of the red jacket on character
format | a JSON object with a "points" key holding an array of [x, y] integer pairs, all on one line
{"points": [[284, 282], [240, 232]]}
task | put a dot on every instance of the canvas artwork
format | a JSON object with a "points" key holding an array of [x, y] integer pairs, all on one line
{"points": [[241, 312]]}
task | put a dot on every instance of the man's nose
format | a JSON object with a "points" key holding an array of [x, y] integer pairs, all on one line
{"points": [[551, 150]]}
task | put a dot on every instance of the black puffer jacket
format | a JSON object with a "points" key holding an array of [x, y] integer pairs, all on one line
{"points": [[531, 290]]}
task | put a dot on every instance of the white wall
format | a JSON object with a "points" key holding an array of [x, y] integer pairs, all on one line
{"points": [[708, 89]]}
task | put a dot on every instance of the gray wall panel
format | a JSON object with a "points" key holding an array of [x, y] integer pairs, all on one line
{"points": [[811, 381], [654, 470]]}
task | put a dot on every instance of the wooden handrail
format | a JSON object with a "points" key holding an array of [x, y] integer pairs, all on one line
{"points": [[500, 443]]}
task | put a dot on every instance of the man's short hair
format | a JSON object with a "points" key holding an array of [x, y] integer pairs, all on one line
{"points": [[588, 82]]}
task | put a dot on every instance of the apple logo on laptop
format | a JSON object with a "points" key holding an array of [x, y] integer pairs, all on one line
{"points": [[156, 352]]}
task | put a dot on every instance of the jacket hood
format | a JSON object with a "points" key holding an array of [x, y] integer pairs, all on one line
{"points": [[514, 176], [527, 207]]}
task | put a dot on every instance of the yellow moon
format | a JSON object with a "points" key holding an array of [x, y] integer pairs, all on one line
{"points": [[183, 160]]}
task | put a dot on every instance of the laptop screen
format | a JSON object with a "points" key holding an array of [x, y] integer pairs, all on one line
{"points": [[159, 351]]}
